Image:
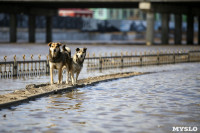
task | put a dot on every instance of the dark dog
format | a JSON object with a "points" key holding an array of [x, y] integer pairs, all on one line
{"points": [[57, 60]]}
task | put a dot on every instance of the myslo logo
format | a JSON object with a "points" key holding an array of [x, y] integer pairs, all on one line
{"points": [[184, 129]]}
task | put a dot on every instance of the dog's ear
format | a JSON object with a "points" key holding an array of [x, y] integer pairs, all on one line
{"points": [[59, 44], [49, 44], [84, 49], [63, 47], [77, 49]]}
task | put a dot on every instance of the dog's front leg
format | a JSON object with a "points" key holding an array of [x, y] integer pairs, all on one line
{"points": [[51, 74], [60, 75], [72, 78], [77, 74]]}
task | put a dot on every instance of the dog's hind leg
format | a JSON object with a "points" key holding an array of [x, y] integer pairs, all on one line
{"points": [[67, 77], [51, 74]]}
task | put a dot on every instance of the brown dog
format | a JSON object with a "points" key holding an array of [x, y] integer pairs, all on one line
{"points": [[57, 60]]}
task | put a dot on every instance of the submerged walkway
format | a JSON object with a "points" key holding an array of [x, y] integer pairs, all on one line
{"points": [[33, 91]]}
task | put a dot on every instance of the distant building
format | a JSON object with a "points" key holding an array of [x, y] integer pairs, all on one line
{"points": [[118, 14], [75, 12], [100, 13]]}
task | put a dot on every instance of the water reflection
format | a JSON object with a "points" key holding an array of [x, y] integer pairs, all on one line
{"points": [[69, 101]]}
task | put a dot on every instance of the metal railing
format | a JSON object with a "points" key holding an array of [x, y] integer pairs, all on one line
{"points": [[105, 62], [40, 67], [23, 68]]}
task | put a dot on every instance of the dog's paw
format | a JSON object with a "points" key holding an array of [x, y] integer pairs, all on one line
{"points": [[59, 82], [74, 84]]}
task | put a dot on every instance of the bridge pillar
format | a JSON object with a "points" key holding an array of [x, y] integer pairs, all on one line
{"points": [[48, 29], [13, 28], [165, 28], [178, 29], [198, 30], [190, 28], [31, 28], [150, 28]]}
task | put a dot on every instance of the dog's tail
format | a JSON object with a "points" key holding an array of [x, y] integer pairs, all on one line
{"points": [[67, 49]]}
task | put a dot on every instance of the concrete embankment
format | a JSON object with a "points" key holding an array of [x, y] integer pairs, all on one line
{"points": [[33, 91]]}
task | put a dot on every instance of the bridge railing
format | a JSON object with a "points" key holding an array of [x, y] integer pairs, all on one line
{"points": [[41, 67]]}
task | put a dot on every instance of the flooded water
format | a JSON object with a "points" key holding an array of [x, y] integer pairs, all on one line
{"points": [[152, 103], [20, 49], [168, 97]]}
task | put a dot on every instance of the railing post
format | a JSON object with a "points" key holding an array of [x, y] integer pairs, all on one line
{"points": [[15, 66], [36, 71], [110, 61], [32, 64], [27, 68], [116, 60], [126, 61], [158, 58], [9, 71], [122, 60], [140, 58], [100, 63], [24, 57], [39, 57], [145, 61], [5, 72], [174, 57], [47, 65]]}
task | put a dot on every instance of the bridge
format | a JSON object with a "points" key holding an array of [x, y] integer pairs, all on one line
{"points": [[49, 8]]}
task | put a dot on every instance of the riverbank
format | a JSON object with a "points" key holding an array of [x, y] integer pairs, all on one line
{"points": [[33, 91]]}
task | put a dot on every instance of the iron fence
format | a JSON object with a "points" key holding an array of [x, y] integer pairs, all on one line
{"points": [[105, 62], [23, 68], [39, 67]]}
